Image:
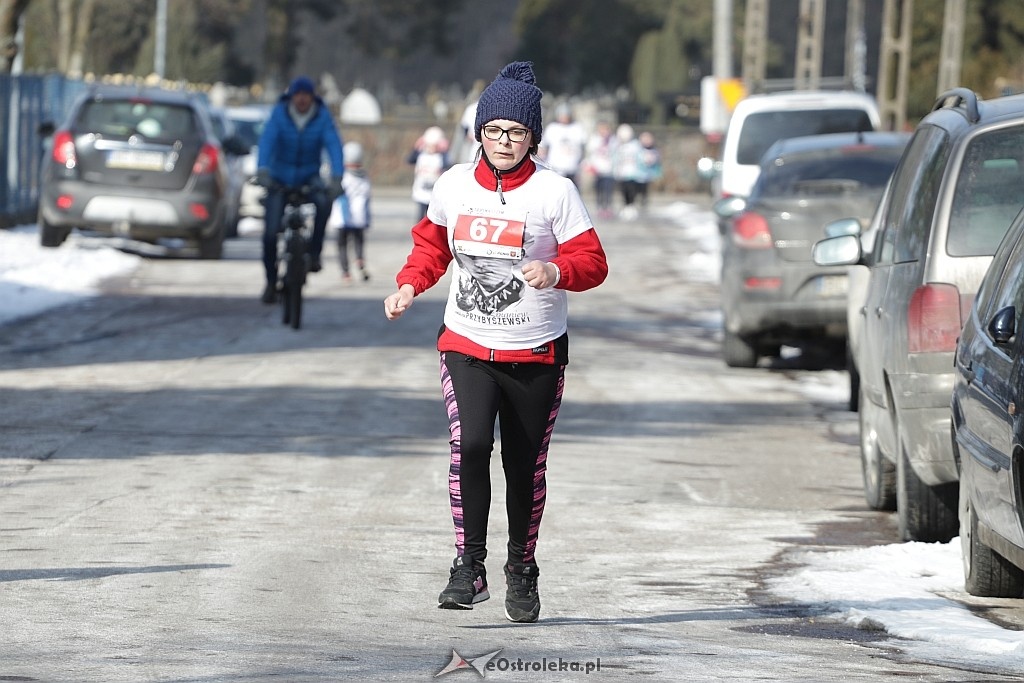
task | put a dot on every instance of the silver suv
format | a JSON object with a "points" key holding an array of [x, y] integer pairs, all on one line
{"points": [[952, 198], [139, 163]]}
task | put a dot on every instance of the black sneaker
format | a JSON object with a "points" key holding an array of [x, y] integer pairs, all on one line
{"points": [[466, 587], [314, 264], [269, 294], [522, 601]]}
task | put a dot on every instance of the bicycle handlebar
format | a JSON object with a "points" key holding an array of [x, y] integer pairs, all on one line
{"points": [[295, 195]]}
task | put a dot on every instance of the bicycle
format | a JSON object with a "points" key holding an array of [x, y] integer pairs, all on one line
{"points": [[294, 252]]}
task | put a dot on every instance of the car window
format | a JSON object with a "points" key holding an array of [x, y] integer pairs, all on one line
{"points": [[249, 131], [914, 196], [852, 169], [222, 127], [989, 192], [1005, 279], [123, 118], [761, 130], [870, 238]]}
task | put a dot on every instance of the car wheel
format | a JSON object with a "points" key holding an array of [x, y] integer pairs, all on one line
{"points": [[212, 246], [878, 471], [232, 227], [926, 513], [232, 215], [739, 352], [987, 574], [51, 235], [851, 368]]}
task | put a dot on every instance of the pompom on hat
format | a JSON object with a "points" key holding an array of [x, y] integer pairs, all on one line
{"points": [[513, 96]]}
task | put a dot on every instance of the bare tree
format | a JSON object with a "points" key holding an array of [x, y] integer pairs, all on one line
{"points": [[10, 14], [73, 34], [83, 26]]}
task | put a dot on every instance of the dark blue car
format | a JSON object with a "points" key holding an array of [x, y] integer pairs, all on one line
{"points": [[988, 432]]}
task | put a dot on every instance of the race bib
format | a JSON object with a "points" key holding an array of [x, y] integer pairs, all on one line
{"points": [[497, 235]]}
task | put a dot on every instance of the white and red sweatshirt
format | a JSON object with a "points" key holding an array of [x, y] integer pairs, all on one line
{"points": [[491, 223]]}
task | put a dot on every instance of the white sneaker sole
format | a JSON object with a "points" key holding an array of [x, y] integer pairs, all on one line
{"points": [[451, 603]]}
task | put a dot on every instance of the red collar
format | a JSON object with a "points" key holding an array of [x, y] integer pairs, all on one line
{"points": [[510, 180]]}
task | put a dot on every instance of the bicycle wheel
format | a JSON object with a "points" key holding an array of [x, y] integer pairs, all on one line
{"points": [[294, 296], [294, 279], [286, 304]]}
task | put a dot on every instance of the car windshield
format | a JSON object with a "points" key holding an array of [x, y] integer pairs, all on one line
{"points": [[123, 118], [833, 171], [989, 192], [249, 130], [763, 130]]}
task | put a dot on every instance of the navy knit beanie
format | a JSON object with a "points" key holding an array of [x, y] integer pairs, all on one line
{"points": [[302, 84], [513, 96]]}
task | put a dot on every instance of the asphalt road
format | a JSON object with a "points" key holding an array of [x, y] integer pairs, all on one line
{"points": [[191, 491]]}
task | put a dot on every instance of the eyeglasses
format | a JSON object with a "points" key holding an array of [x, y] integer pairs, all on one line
{"points": [[514, 134]]}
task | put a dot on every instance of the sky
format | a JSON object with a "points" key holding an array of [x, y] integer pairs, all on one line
{"points": [[907, 590]]}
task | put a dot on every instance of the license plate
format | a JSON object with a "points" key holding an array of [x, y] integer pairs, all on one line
{"points": [[134, 159], [832, 285]]}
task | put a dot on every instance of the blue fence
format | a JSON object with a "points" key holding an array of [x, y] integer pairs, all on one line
{"points": [[25, 103]]}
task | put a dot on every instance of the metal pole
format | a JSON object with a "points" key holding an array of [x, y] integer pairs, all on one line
{"points": [[721, 65], [952, 47], [159, 58]]}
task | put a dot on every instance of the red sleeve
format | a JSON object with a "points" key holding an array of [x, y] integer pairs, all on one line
{"points": [[429, 259], [581, 262]]}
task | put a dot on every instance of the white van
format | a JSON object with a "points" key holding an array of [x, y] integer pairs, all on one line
{"points": [[761, 120]]}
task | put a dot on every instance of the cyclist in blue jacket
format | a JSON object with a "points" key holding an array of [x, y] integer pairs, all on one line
{"points": [[291, 148]]}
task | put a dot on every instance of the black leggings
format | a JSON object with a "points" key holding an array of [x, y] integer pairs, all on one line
{"points": [[524, 398], [357, 237]]}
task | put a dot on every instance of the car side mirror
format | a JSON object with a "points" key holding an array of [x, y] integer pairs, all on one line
{"points": [[1003, 325], [708, 168], [843, 226], [843, 250], [727, 207]]}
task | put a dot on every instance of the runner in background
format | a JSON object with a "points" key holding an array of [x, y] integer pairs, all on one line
{"points": [[564, 144]]}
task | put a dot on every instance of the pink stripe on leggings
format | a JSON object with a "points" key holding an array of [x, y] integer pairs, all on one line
{"points": [[455, 469], [540, 487]]}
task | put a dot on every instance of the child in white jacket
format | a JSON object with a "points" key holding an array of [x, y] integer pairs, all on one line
{"points": [[352, 211]]}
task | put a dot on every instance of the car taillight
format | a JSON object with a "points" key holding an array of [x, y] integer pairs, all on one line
{"points": [[750, 231], [933, 319], [762, 283], [207, 160], [64, 149]]}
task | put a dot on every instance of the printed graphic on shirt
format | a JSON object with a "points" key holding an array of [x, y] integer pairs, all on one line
{"points": [[489, 246]]}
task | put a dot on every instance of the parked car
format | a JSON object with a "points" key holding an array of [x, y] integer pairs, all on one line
{"points": [[142, 163], [988, 433], [952, 199], [235, 153], [857, 277], [249, 121], [772, 293], [758, 121]]}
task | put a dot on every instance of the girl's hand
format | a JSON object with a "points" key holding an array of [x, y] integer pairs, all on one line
{"points": [[540, 275], [399, 302]]}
